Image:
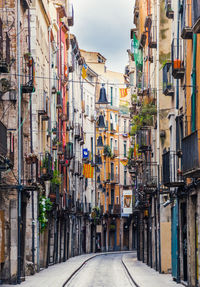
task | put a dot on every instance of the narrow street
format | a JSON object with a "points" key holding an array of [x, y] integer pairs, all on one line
{"points": [[110, 270]]}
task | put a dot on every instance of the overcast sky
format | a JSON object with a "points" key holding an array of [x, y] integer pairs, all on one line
{"points": [[104, 26]]}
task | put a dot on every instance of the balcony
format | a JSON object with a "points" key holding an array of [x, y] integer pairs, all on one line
{"points": [[46, 114], [143, 139], [46, 171], [54, 194], [168, 88], [60, 148], [59, 100], [150, 174], [152, 35], [114, 178], [5, 60], [77, 167], [87, 208], [196, 16], [178, 69], [186, 27], [112, 128], [69, 151], [82, 137], [28, 74], [77, 132], [3, 141], [142, 40], [114, 209], [172, 175], [191, 157], [168, 9]]}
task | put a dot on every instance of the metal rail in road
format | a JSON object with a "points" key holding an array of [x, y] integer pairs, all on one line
{"points": [[69, 281]]}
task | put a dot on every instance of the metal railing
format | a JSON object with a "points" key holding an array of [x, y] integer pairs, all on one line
{"points": [[143, 139], [114, 177], [190, 149], [196, 15], [171, 173], [3, 141], [177, 59], [4, 50], [168, 87]]}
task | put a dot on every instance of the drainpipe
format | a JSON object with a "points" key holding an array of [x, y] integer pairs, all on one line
{"points": [[158, 131], [19, 194], [31, 148], [194, 83]]}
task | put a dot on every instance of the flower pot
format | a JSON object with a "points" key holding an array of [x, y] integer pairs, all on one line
{"points": [[34, 159], [54, 147], [44, 170], [177, 64], [28, 160]]}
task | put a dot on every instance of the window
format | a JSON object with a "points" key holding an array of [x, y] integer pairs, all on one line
{"points": [[112, 197], [125, 175], [112, 171], [125, 129], [116, 118], [111, 96], [117, 199], [111, 144], [116, 145], [92, 149], [104, 170], [125, 148]]}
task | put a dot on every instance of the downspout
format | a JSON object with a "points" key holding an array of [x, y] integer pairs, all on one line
{"points": [[19, 190], [31, 148], [158, 134], [194, 83]]}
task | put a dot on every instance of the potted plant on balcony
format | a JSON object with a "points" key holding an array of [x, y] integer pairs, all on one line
{"points": [[45, 205], [144, 117], [177, 64], [45, 164]]}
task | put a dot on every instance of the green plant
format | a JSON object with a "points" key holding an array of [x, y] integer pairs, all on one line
{"points": [[55, 141], [95, 214], [45, 205], [144, 117], [130, 152], [56, 177], [45, 162], [107, 151]]}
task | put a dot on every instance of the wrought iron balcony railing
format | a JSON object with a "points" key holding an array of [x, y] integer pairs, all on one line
{"points": [[143, 139], [3, 141], [196, 16], [114, 178], [168, 87], [191, 156], [153, 35], [186, 22], [5, 59], [171, 173], [168, 9], [178, 69], [46, 168], [28, 74], [149, 173]]}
